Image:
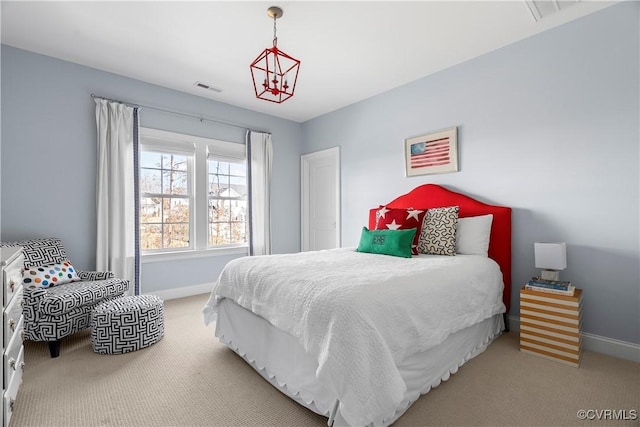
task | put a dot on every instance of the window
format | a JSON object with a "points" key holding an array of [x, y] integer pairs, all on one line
{"points": [[227, 201], [164, 200], [193, 193]]}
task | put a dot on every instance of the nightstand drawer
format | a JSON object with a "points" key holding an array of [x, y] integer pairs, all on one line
{"points": [[12, 278], [11, 316]]}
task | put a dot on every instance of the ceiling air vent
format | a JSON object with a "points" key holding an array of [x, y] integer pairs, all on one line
{"points": [[543, 8], [207, 87]]}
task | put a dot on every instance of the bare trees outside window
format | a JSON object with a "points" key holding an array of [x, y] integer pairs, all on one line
{"points": [[164, 201]]}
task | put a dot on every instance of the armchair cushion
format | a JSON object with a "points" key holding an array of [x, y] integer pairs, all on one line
{"points": [[95, 275], [65, 298]]}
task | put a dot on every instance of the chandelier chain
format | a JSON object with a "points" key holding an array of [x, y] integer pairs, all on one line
{"points": [[275, 37]]}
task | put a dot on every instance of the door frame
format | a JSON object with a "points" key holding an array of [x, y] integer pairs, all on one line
{"points": [[305, 159]]}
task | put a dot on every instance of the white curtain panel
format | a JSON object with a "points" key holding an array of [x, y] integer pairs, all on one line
{"points": [[260, 158], [115, 190]]}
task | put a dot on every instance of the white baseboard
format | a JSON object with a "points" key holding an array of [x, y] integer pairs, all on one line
{"points": [[187, 291], [598, 343]]}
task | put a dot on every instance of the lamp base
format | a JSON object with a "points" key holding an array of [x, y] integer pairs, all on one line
{"points": [[550, 275]]}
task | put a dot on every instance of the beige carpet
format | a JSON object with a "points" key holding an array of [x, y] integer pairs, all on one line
{"points": [[189, 379]]}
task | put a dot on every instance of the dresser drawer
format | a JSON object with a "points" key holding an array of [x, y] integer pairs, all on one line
{"points": [[12, 354], [11, 316], [12, 390], [12, 278]]}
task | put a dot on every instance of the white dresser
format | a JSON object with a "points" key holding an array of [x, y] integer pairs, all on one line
{"points": [[11, 261]]}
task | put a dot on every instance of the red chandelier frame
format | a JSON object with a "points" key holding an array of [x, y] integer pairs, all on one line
{"points": [[274, 73]]}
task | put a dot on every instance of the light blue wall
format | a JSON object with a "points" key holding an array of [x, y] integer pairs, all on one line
{"points": [[548, 126], [49, 157]]}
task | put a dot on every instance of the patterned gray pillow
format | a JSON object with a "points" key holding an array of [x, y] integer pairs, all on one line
{"points": [[438, 235]]}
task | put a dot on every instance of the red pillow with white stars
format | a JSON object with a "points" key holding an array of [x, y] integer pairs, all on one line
{"points": [[401, 219]]}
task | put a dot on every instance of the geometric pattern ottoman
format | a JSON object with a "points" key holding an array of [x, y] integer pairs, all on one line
{"points": [[127, 324]]}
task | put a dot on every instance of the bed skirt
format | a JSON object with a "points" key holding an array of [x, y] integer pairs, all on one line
{"points": [[281, 360]]}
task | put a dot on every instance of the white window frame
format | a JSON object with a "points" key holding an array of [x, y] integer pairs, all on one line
{"points": [[226, 153], [165, 145], [200, 150]]}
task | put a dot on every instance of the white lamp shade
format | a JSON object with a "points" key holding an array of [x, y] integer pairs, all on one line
{"points": [[551, 256]]}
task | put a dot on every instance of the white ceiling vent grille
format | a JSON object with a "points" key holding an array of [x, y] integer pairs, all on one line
{"points": [[207, 87], [543, 8]]}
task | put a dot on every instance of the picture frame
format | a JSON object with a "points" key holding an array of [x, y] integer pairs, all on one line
{"points": [[432, 153]]}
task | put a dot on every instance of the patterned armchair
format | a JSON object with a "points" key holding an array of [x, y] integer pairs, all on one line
{"points": [[52, 313]]}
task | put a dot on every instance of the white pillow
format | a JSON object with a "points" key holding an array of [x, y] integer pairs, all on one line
{"points": [[472, 235]]}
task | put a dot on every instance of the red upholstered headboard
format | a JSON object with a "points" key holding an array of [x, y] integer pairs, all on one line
{"points": [[432, 196]]}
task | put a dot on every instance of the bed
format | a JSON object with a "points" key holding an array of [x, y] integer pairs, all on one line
{"points": [[358, 337]]}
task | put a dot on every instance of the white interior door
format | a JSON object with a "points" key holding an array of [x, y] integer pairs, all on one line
{"points": [[320, 200]]}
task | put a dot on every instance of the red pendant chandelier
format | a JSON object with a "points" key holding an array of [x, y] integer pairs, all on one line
{"points": [[274, 72]]}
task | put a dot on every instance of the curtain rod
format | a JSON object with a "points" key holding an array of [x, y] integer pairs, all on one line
{"points": [[192, 116]]}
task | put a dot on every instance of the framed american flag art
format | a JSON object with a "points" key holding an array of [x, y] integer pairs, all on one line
{"points": [[432, 153]]}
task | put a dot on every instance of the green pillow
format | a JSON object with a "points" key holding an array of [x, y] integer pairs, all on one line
{"points": [[387, 242]]}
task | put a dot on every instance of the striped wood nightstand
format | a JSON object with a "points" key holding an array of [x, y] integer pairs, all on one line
{"points": [[550, 325]]}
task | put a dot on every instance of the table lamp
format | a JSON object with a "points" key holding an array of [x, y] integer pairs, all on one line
{"points": [[551, 258]]}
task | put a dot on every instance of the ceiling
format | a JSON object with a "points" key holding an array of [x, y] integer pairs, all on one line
{"points": [[349, 51]]}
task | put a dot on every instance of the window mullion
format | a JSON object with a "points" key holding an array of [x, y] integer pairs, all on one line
{"points": [[168, 196], [201, 185]]}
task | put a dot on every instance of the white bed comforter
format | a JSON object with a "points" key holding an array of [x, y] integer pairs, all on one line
{"points": [[360, 314]]}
